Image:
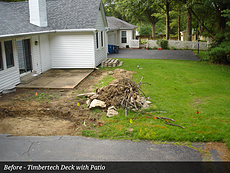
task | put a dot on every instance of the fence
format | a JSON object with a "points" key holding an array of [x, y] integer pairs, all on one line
{"points": [[134, 44], [180, 44]]}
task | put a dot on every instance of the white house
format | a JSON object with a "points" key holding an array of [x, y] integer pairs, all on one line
{"points": [[120, 32], [38, 35]]}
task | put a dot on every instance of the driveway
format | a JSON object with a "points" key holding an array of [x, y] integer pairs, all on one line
{"points": [[75, 148], [155, 54]]}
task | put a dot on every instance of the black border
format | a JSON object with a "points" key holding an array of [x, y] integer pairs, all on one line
{"points": [[123, 167]]}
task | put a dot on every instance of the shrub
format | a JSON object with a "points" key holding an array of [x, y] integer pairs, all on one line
{"points": [[172, 48], [219, 52], [163, 43]]}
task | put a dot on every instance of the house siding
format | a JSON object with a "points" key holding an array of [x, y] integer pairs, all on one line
{"points": [[129, 35], [112, 37], [100, 53], [45, 52], [36, 56], [9, 76], [72, 50]]}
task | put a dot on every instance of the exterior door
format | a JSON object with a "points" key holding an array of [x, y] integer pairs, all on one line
{"points": [[24, 56]]}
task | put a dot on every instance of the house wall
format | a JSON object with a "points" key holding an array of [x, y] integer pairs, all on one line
{"points": [[9, 76], [101, 51], [45, 52], [36, 56], [129, 35], [72, 50], [112, 37]]}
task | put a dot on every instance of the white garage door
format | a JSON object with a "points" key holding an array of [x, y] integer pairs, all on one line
{"points": [[72, 51]]}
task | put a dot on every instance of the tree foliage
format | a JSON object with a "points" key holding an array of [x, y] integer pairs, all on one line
{"points": [[210, 18], [219, 51]]}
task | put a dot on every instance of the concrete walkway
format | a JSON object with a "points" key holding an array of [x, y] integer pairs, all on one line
{"points": [[57, 79], [155, 54]]}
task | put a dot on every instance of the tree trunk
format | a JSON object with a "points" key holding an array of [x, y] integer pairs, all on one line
{"points": [[179, 38], [167, 21], [153, 29], [221, 22], [189, 26], [201, 23]]}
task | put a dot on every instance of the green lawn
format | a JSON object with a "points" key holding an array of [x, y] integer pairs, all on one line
{"points": [[178, 90], [202, 54]]}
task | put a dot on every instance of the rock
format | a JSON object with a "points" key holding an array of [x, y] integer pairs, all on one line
{"points": [[111, 111], [145, 105], [97, 103], [129, 130], [148, 102], [111, 73]]}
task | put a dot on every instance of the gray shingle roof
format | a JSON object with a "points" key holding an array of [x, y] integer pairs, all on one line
{"points": [[115, 23], [61, 14]]}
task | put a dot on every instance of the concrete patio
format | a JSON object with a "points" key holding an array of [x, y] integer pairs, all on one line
{"points": [[56, 79]]}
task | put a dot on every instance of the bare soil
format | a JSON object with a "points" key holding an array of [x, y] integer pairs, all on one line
{"points": [[60, 112], [51, 112]]}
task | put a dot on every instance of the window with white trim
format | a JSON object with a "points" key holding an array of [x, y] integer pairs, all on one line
{"points": [[97, 43], [102, 39], [1, 60], [9, 53], [123, 37]]}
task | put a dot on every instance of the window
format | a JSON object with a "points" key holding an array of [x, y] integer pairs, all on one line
{"points": [[123, 37], [1, 62], [97, 40], [102, 39], [9, 54]]}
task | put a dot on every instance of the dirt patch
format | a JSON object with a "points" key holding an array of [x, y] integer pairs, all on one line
{"points": [[221, 148], [44, 112]]}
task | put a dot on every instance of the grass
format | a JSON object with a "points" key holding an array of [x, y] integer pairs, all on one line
{"points": [[202, 55], [178, 90], [104, 82]]}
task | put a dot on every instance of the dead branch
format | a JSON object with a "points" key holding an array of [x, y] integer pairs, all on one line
{"points": [[174, 125], [161, 118], [141, 81]]}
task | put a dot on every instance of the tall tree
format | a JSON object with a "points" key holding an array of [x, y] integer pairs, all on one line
{"points": [[140, 11], [166, 5]]}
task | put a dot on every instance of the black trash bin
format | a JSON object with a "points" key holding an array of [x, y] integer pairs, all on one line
{"points": [[116, 49]]}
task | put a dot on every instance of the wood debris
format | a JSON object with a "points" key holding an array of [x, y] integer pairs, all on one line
{"points": [[126, 94]]}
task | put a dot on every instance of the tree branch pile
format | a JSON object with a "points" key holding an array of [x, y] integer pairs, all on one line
{"points": [[124, 93]]}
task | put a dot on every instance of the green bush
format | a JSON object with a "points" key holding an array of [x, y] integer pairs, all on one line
{"points": [[219, 52], [172, 48], [163, 43]]}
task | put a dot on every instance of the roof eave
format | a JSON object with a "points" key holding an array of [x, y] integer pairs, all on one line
{"points": [[49, 31]]}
